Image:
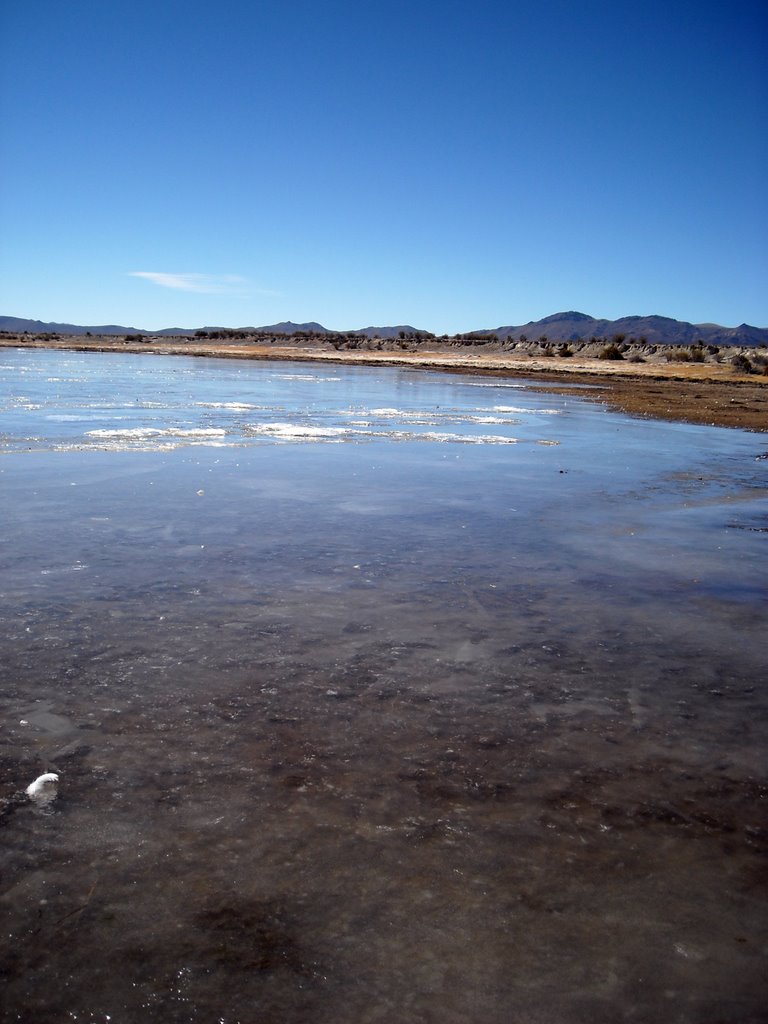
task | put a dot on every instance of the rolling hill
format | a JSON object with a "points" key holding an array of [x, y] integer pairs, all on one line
{"points": [[566, 326]]}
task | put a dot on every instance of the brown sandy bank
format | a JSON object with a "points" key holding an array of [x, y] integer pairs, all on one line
{"points": [[716, 394]]}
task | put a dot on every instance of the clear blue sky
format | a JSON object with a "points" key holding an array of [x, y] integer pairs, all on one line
{"points": [[451, 165]]}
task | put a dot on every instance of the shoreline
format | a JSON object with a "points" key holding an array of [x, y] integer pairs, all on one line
{"points": [[706, 394]]}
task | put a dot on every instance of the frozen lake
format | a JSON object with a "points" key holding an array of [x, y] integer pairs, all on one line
{"points": [[377, 695]]}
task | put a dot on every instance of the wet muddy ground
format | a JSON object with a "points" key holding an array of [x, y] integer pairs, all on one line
{"points": [[414, 732]]}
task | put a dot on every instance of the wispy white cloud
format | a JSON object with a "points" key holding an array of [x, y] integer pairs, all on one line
{"points": [[206, 284]]}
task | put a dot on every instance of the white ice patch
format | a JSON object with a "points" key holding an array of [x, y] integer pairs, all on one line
{"points": [[234, 406], [77, 567], [298, 432], [43, 790], [65, 417], [302, 432], [436, 417], [303, 376], [144, 432], [418, 417], [467, 438], [517, 409]]}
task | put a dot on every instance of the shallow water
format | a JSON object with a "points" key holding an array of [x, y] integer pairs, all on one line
{"points": [[376, 695]]}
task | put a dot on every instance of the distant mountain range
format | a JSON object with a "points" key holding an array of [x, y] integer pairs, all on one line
{"points": [[655, 330], [20, 326], [569, 326]]}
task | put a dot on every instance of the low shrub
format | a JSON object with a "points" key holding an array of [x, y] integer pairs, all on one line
{"points": [[742, 363], [610, 352], [679, 355]]}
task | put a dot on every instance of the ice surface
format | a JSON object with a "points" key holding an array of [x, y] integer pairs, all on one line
{"points": [[408, 728]]}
